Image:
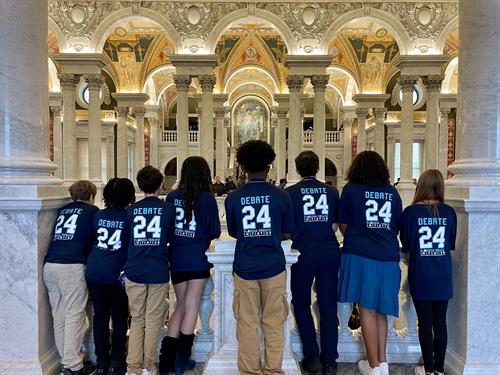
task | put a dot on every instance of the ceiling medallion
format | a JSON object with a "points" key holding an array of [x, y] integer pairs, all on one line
{"points": [[308, 16], [78, 14], [424, 15], [381, 33], [308, 49], [194, 15], [194, 48]]}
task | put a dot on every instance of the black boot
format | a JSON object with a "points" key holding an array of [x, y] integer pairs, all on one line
{"points": [[167, 354], [311, 364], [184, 347], [117, 367], [102, 366], [329, 369]]}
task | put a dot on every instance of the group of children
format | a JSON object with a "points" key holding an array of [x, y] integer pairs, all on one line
{"points": [[125, 255]]}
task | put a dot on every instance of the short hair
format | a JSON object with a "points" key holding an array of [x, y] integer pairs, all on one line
{"points": [[307, 163], [82, 190], [368, 168], [255, 156], [149, 179], [118, 193], [430, 186]]}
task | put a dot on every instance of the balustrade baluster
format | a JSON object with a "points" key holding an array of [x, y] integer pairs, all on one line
{"points": [[344, 311]]}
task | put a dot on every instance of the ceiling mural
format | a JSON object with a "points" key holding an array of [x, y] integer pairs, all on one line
{"points": [[452, 44], [52, 44]]}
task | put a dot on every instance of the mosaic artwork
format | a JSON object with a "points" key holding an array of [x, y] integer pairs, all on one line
{"points": [[250, 119]]}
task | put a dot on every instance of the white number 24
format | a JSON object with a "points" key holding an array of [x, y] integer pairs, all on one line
{"points": [[114, 241], [310, 206], [69, 225], [153, 227], [373, 213], [426, 234], [262, 217]]}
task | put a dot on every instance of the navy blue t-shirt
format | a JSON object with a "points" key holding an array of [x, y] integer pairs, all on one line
{"points": [[428, 233], [373, 217], [191, 240], [73, 234], [257, 215], [109, 253], [315, 209], [151, 223]]}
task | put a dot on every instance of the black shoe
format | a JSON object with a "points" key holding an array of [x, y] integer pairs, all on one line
{"points": [[330, 369], [167, 355], [117, 368], [89, 368], [67, 371], [102, 367], [181, 363], [311, 364]]}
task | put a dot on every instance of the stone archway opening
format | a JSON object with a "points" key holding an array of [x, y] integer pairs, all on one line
{"points": [[330, 172]]}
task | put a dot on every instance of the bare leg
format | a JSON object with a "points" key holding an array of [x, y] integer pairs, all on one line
{"points": [[382, 336], [192, 298], [369, 328], [174, 324]]}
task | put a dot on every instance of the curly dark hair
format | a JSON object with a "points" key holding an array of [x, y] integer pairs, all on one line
{"points": [[195, 178], [149, 179], [118, 193], [368, 168], [307, 163], [255, 156]]}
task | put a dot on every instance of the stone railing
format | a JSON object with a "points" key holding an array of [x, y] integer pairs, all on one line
{"points": [[330, 137], [170, 136]]}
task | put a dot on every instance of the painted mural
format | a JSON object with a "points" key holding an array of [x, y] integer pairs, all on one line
{"points": [[250, 119]]}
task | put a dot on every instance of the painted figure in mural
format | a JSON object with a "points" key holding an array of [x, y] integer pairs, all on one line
{"points": [[250, 122]]}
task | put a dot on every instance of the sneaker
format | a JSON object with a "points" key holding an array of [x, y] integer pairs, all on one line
{"points": [[420, 370], [384, 368], [438, 373], [311, 364], [329, 369], [145, 371], [365, 368]]}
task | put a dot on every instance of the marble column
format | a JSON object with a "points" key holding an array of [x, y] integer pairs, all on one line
{"points": [[319, 83], [57, 139], [182, 83], [431, 150], [407, 84], [68, 86], [94, 128], [139, 113], [153, 141], [221, 139], [391, 152], [29, 192], [443, 141], [474, 191], [361, 113], [380, 131], [347, 123], [280, 141], [206, 134], [295, 130], [122, 142]]}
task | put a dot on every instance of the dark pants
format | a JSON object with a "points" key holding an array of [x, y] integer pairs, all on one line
{"points": [[110, 302], [322, 266], [432, 333]]}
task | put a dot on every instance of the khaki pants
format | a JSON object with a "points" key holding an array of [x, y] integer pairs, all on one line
{"points": [[260, 303], [147, 304], [68, 298]]}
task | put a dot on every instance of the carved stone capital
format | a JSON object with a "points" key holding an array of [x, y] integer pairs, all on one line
{"points": [[153, 122], [319, 82], [139, 112], [379, 112], [220, 112], [280, 113], [294, 83], [94, 81], [362, 112], [207, 82], [56, 110], [122, 111], [433, 83], [182, 82], [444, 112], [407, 83], [67, 80]]}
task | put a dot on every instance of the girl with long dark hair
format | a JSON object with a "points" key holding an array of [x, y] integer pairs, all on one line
{"points": [[196, 225], [428, 233], [370, 213]]}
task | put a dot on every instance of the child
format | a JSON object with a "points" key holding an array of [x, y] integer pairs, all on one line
{"points": [[370, 213], [64, 274], [428, 233], [316, 208], [196, 225], [259, 216], [146, 271], [104, 267]]}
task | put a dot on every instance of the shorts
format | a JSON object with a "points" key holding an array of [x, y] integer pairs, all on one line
{"points": [[182, 276]]}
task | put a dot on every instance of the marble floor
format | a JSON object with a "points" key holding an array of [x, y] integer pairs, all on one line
{"points": [[343, 369]]}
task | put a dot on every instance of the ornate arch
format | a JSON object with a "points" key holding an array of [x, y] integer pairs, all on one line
{"points": [[257, 67], [111, 21], [61, 39], [260, 14], [389, 22], [443, 37]]}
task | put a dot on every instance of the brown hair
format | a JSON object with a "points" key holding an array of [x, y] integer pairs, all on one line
{"points": [[82, 190], [368, 168], [430, 186]]}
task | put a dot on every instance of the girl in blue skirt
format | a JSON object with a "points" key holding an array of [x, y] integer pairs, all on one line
{"points": [[370, 213]]}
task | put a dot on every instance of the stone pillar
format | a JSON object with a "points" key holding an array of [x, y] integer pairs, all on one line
{"points": [[221, 139], [361, 113], [139, 113], [94, 128], [347, 123], [28, 197], [433, 85], [68, 85], [206, 134], [407, 84], [474, 191], [443, 141], [280, 141], [319, 83], [122, 142], [295, 130], [57, 139], [391, 151], [182, 83], [380, 131], [153, 141]]}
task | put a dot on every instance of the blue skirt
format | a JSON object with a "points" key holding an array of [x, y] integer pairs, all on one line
{"points": [[371, 283]]}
